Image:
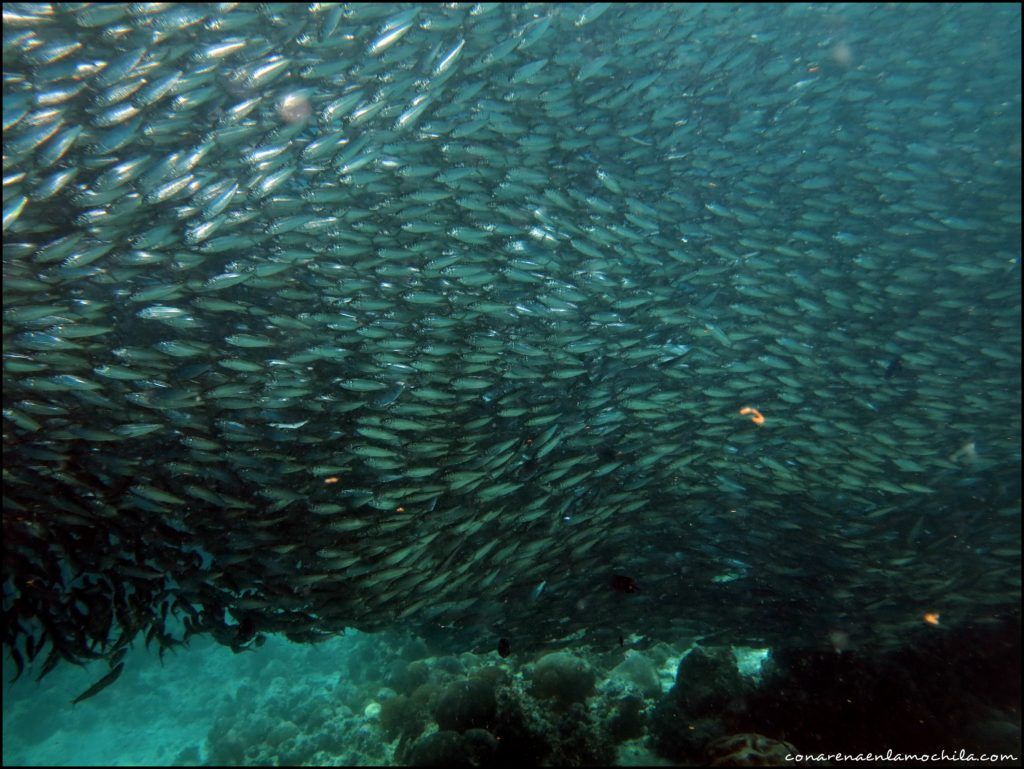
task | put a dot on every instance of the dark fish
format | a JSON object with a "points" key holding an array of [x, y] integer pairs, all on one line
{"points": [[894, 368], [20, 663], [504, 647], [100, 685], [623, 584], [49, 663], [245, 633]]}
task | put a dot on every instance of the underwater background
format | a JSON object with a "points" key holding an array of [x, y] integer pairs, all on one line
{"points": [[492, 384]]}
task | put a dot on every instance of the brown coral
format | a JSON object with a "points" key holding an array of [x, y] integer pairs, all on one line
{"points": [[750, 750]]}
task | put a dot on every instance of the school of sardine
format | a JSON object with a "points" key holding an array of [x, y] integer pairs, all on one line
{"points": [[534, 322]]}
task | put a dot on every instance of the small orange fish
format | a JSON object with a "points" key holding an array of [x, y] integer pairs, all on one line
{"points": [[757, 418], [931, 617]]}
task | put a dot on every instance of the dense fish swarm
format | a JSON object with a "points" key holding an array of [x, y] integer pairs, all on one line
{"points": [[528, 323]]}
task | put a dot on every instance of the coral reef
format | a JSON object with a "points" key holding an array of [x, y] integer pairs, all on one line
{"points": [[707, 681], [678, 737], [639, 672], [312, 705], [578, 739], [404, 677], [627, 720], [443, 748], [563, 677], [400, 716], [750, 750], [466, 705], [588, 706]]}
